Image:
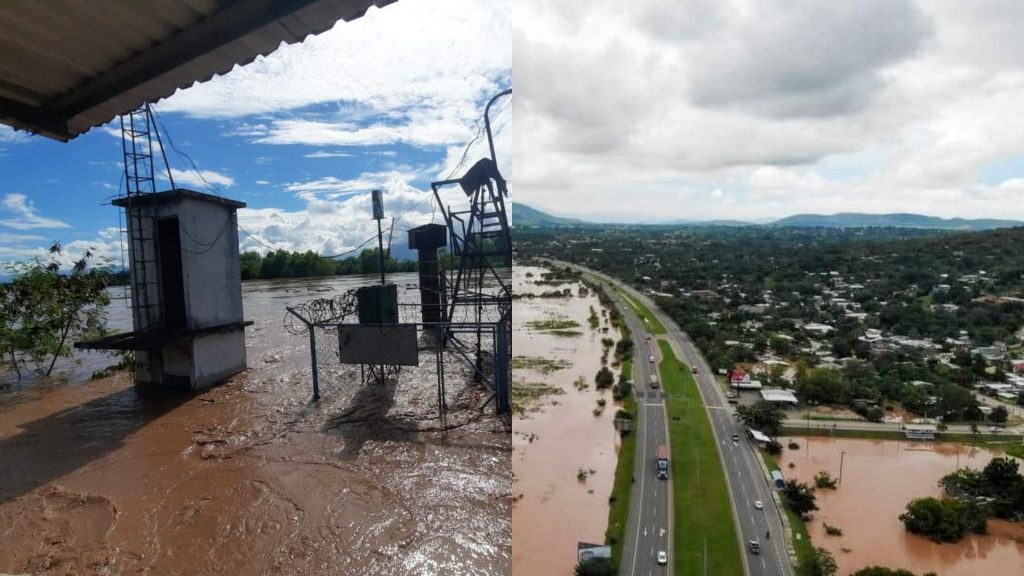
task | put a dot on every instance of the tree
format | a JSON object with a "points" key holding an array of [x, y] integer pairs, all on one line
{"points": [[882, 571], [999, 415], [1002, 474], [596, 566], [800, 497], [824, 480], [604, 378], [824, 563], [763, 416], [42, 310], [945, 520]]}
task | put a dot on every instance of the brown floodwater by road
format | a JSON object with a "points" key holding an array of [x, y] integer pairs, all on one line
{"points": [[559, 435], [250, 477], [878, 479]]}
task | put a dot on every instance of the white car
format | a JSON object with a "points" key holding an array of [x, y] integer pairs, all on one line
{"points": [[662, 557], [758, 505]]}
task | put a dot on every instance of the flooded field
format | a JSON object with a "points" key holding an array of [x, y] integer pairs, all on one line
{"points": [[878, 479], [564, 456], [250, 477]]}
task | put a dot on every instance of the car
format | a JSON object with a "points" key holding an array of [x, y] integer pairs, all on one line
{"points": [[754, 546], [651, 358], [735, 437], [694, 370], [758, 505], [995, 429], [662, 557]]}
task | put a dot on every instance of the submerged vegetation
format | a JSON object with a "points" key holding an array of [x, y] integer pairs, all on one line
{"points": [[539, 364], [528, 397]]}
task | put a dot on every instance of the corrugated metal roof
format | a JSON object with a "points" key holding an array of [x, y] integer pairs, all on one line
{"points": [[69, 65]]}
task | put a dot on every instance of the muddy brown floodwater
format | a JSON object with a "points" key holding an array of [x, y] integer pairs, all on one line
{"points": [[559, 435], [878, 480], [250, 477]]}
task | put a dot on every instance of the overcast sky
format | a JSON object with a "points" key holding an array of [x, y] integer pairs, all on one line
{"points": [[758, 109], [389, 101]]}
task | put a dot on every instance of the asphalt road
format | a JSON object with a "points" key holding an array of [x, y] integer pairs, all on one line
{"points": [[649, 527], [746, 480]]}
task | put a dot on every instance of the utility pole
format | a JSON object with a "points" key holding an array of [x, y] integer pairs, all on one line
{"points": [[842, 455]]}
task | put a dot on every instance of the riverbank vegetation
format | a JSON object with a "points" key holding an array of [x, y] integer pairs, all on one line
{"points": [[285, 264], [43, 311]]}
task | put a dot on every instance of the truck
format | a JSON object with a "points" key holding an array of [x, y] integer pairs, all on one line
{"points": [[662, 462], [654, 381]]}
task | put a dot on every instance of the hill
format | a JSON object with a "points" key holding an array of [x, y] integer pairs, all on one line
{"points": [[523, 215], [858, 220]]}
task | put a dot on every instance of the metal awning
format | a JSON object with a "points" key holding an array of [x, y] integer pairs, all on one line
{"points": [[69, 65]]}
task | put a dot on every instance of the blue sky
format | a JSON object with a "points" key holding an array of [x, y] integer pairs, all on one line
{"points": [[386, 101]]}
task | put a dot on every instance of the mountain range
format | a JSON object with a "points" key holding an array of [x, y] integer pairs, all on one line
{"points": [[530, 217]]}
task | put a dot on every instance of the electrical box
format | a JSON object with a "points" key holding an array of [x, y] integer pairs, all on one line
{"points": [[378, 304], [378, 204]]}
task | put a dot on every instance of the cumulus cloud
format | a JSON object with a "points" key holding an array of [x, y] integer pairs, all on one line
{"points": [[25, 216], [408, 73], [757, 110], [201, 180]]}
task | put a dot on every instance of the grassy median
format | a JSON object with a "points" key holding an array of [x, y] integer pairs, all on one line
{"points": [[703, 512], [650, 320]]}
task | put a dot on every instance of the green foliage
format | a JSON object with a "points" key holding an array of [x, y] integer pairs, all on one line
{"points": [[799, 497], [595, 567], [832, 530], [42, 310], [882, 571], [763, 416], [999, 415], [604, 378], [285, 264], [1000, 485], [725, 274], [824, 480], [943, 520], [823, 564]]}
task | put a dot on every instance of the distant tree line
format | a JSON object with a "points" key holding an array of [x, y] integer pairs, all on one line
{"points": [[285, 264]]}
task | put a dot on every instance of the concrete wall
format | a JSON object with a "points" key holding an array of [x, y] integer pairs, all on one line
{"points": [[217, 356], [210, 263]]}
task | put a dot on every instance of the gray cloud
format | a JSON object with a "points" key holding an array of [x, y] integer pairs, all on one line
{"points": [[806, 59]]}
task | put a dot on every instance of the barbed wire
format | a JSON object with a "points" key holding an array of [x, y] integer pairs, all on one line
{"points": [[321, 311]]}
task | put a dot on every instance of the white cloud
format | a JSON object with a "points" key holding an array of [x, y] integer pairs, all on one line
{"points": [[412, 72], [337, 214], [756, 110], [263, 182], [325, 154], [25, 215], [200, 180], [9, 135], [106, 249]]}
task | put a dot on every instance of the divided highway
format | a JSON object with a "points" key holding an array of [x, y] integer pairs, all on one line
{"points": [[746, 479], [649, 528]]}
